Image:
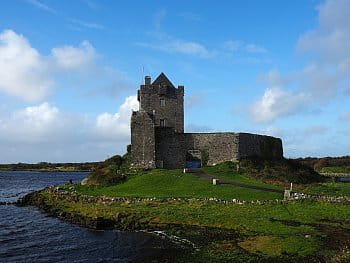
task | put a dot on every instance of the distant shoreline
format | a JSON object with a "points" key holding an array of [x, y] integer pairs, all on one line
{"points": [[50, 167], [47, 170]]}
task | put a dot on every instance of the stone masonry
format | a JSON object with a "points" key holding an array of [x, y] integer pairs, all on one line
{"points": [[158, 139]]}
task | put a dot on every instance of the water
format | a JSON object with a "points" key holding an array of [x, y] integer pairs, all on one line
{"points": [[343, 179], [28, 235]]}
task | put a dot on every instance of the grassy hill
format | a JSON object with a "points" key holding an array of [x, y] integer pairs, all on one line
{"points": [[173, 183], [274, 231]]}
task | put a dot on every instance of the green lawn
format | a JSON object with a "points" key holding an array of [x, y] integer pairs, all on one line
{"points": [[290, 231], [174, 183], [330, 188], [335, 169], [225, 171], [270, 231]]}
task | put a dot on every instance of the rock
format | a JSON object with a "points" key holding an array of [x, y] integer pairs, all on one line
{"points": [[84, 181]]}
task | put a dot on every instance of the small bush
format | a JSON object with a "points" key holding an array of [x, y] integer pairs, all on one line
{"points": [[112, 171]]}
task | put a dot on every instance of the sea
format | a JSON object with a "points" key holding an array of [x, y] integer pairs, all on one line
{"points": [[29, 235]]}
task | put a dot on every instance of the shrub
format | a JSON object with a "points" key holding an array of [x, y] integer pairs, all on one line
{"points": [[112, 171], [283, 170]]}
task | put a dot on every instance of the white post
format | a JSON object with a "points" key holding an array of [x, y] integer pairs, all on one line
{"points": [[215, 181], [286, 194]]}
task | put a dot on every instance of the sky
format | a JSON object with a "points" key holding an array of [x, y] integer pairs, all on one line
{"points": [[70, 70]]}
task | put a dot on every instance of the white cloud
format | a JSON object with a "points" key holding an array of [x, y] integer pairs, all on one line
{"points": [[158, 18], [189, 16], [252, 48], [329, 44], [172, 45], [23, 71], [86, 24], [345, 116], [59, 136], [233, 45], [241, 46], [70, 58], [193, 100], [273, 78], [32, 124], [198, 128], [31, 76], [42, 6], [330, 40], [315, 130], [117, 126], [326, 73], [275, 103]]}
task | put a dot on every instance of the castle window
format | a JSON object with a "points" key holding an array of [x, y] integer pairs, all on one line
{"points": [[162, 102], [162, 123]]}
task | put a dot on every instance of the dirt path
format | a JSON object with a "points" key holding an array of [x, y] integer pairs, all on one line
{"points": [[200, 173]]}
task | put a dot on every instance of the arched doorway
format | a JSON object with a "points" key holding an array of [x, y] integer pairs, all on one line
{"points": [[193, 159]]}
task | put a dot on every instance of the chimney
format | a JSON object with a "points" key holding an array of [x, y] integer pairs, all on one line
{"points": [[147, 80]]}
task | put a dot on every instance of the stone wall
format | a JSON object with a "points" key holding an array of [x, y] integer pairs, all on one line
{"points": [[172, 147], [142, 140], [262, 146], [167, 147], [220, 147]]}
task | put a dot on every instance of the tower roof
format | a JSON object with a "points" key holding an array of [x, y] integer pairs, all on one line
{"points": [[163, 80]]}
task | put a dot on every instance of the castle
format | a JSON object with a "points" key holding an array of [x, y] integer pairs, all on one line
{"points": [[158, 139]]}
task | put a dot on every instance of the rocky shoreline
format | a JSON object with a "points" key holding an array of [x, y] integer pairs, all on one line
{"points": [[98, 223], [200, 239]]}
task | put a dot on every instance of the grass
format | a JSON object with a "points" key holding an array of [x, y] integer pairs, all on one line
{"points": [[228, 171], [335, 169], [329, 188], [174, 183], [270, 231]]}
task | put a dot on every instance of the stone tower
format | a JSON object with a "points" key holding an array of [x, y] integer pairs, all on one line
{"points": [[161, 106], [158, 139]]}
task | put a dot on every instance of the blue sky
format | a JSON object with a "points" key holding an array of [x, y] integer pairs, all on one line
{"points": [[69, 71]]}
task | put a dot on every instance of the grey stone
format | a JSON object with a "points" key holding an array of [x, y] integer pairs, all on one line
{"points": [[158, 139]]}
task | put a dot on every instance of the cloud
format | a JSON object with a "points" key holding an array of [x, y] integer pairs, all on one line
{"points": [[69, 57], [189, 16], [60, 136], [345, 116], [91, 4], [329, 46], [171, 45], [241, 46], [86, 24], [31, 76], [330, 40], [23, 71], [42, 6], [193, 100], [32, 124], [198, 128], [252, 48], [158, 18], [276, 103], [326, 73], [315, 130], [117, 126]]}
